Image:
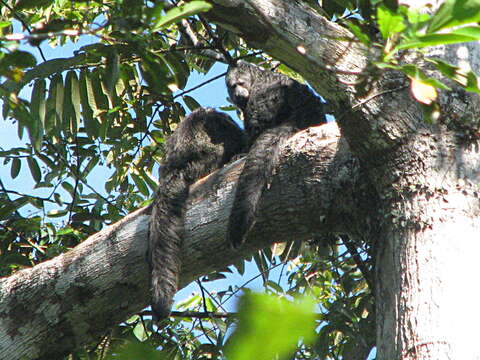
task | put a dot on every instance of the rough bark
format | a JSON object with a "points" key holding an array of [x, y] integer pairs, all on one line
{"points": [[73, 299], [425, 174]]}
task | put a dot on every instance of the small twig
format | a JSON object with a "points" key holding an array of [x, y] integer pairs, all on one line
{"points": [[216, 41], [200, 85], [47, 199], [203, 315], [250, 280], [358, 261], [204, 303], [187, 30], [196, 314]]}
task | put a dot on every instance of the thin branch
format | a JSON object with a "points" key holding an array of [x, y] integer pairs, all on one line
{"points": [[6, 191], [370, 98], [250, 280], [204, 303], [196, 314], [185, 28], [358, 260], [216, 40], [200, 85], [203, 315]]}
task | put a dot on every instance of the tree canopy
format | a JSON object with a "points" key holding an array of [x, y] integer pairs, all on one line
{"points": [[105, 111]]}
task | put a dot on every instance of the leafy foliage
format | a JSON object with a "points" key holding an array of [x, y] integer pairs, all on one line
{"points": [[255, 337], [105, 112]]}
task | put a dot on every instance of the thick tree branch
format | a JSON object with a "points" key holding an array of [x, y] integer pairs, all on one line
{"points": [[75, 297], [327, 55]]}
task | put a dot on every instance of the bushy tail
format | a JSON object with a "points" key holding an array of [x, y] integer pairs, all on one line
{"points": [[165, 241], [263, 157]]}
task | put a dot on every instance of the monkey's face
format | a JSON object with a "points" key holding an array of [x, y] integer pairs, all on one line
{"points": [[238, 84]]}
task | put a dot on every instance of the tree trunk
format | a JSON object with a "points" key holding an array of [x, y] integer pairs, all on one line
{"points": [[428, 251]]}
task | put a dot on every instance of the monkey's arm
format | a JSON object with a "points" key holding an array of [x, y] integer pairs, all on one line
{"points": [[264, 155]]}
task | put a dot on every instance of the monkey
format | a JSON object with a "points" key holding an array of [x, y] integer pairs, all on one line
{"points": [[204, 141], [274, 108]]}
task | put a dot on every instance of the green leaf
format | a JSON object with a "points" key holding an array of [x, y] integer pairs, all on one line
{"points": [[454, 13], [416, 17], [178, 68], [32, 4], [191, 103], [91, 164], [69, 188], [291, 73], [149, 179], [358, 32], [52, 127], [156, 11], [140, 350], [190, 302], [58, 199], [112, 72], [445, 68], [25, 120], [68, 111], [4, 24], [75, 99], [57, 213], [34, 169], [270, 326], [92, 102], [100, 99], [47, 161], [415, 73], [274, 286], [472, 31], [22, 59], [140, 332], [140, 184], [6, 209], [180, 12], [38, 108], [59, 96], [389, 22], [472, 82], [156, 72], [454, 37], [15, 169], [86, 93]]}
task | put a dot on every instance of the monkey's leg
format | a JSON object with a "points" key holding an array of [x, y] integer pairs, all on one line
{"points": [[261, 160], [165, 241]]}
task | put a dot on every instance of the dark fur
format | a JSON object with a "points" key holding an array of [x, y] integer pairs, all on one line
{"points": [[203, 142], [274, 108]]}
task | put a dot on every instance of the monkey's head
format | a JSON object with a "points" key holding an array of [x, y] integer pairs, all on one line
{"points": [[239, 80]]}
